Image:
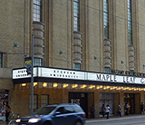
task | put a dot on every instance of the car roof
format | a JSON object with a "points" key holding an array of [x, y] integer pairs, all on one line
{"points": [[63, 104]]}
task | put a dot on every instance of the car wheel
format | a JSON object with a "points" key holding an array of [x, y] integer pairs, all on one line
{"points": [[46, 123], [78, 123]]}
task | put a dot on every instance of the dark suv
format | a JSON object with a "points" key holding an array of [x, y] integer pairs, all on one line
{"points": [[62, 114]]}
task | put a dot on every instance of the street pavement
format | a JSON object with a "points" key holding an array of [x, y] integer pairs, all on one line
{"points": [[113, 118], [116, 117], [124, 120]]}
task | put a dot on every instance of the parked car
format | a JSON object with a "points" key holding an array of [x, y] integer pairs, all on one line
{"points": [[62, 114]]}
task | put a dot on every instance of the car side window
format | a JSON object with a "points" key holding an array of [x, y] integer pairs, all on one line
{"points": [[77, 109], [69, 109], [61, 110]]}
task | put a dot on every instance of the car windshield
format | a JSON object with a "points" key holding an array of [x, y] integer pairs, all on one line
{"points": [[44, 110]]}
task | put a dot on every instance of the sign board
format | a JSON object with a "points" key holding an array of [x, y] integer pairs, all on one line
{"points": [[28, 64], [22, 73], [77, 75]]}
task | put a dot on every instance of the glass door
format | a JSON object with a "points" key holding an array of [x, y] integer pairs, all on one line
{"points": [[106, 99]]}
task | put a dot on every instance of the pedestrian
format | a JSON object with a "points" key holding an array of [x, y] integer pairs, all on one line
{"points": [[119, 111], [8, 109], [126, 108], [142, 108], [103, 110], [107, 111], [92, 111], [3, 109]]}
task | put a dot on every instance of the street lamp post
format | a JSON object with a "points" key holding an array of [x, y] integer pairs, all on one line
{"points": [[32, 79], [32, 59]]}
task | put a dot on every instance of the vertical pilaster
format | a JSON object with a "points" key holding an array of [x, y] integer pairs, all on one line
{"points": [[90, 103], [65, 98], [137, 103], [142, 97], [122, 102], [96, 103], [116, 103]]}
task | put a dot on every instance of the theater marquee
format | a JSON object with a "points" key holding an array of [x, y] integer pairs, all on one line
{"points": [[77, 75]]}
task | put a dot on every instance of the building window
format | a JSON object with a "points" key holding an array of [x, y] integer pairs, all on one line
{"points": [[37, 12], [131, 72], [37, 62], [76, 15], [77, 66], [35, 101], [44, 100], [129, 23], [106, 21], [107, 69], [0, 60]]}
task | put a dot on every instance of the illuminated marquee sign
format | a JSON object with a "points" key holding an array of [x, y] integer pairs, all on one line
{"points": [[22, 73], [77, 75]]}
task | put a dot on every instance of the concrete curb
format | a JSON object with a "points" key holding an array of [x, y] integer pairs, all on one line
{"points": [[114, 118]]}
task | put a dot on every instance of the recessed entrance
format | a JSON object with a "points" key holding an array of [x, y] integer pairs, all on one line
{"points": [[81, 99], [130, 99], [106, 99]]}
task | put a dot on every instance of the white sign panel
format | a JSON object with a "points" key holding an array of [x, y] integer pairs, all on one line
{"points": [[77, 75], [115, 78], [60, 73], [21, 73]]}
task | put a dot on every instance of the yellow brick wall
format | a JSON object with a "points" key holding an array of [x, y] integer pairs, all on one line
{"points": [[15, 26], [58, 33]]}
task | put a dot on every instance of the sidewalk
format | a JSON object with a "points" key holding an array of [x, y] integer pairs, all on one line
{"points": [[111, 118]]}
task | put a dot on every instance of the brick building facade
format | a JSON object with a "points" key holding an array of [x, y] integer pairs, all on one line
{"points": [[99, 36]]}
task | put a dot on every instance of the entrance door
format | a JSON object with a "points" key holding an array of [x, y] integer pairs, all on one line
{"points": [[79, 98], [106, 99], [130, 99]]}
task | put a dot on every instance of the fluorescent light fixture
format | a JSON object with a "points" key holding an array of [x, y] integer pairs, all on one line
{"points": [[55, 85], [35, 83], [83, 86], [65, 85], [23, 84], [45, 84], [74, 85]]}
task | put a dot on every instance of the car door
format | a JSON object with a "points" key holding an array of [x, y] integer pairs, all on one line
{"points": [[70, 115], [59, 117]]}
